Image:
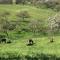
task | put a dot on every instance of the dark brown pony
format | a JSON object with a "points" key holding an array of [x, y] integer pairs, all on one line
{"points": [[30, 42], [3, 40]]}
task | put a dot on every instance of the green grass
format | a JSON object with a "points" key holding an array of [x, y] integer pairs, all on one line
{"points": [[19, 47], [42, 45], [35, 13]]}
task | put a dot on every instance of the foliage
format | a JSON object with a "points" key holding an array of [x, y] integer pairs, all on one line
{"points": [[23, 14], [36, 26], [57, 8], [18, 49], [53, 25]]}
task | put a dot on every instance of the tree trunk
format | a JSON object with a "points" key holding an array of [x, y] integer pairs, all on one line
{"points": [[13, 1]]}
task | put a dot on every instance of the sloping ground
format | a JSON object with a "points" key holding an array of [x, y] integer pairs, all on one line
{"points": [[35, 13], [19, 49]]}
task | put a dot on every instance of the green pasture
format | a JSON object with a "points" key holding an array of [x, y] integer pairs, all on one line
{"points": [[42, 48]]}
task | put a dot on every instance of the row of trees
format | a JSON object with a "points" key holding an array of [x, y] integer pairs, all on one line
{"points": [[53, 4], [36, 1]]}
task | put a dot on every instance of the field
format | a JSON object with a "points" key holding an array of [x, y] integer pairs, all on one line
{"points": [[42, 48], [36, 13]]}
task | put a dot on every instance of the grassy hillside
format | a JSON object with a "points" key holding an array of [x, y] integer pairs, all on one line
{"points": [[36, 13], [42, 49]]}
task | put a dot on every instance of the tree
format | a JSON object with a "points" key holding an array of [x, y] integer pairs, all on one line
{"points": [[22, 20], [14, 1], [4, 22], [23, 14], [53, 26], [36, 26]]}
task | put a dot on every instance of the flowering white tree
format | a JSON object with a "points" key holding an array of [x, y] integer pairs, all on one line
{"points": [[53, 26]]}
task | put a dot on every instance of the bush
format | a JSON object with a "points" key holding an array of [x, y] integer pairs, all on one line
{"points": [[50, 4], [57, 8], [23, 14], [2, 36]]}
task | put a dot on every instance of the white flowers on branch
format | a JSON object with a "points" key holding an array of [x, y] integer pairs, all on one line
{"points": [[53, 25]]}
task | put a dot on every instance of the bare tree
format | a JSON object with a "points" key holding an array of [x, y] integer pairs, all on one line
{"points": [[4, 22], [14, 1], [36, 26], [23, 15]]}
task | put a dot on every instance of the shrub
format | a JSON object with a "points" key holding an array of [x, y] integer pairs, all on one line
{"points": [[23, 14], [50, 4], [57, 8]]}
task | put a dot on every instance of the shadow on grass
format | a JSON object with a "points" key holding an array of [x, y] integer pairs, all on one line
{"points": [[36, 57]]}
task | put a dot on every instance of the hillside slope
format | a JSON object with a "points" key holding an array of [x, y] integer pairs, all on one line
{"points": [[36, 13]]}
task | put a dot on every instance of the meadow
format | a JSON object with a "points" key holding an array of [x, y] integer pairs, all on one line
{"points": [[18, 49]]}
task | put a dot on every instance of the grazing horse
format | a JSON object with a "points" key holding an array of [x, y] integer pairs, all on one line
{"points": [[51, 40], [3, 40], [30, 42], [9, 42]]}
